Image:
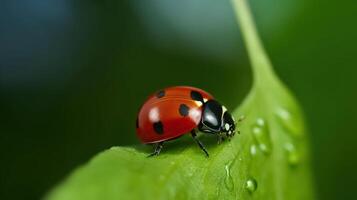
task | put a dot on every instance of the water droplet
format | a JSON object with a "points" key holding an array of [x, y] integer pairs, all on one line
{"points": [[251, 185], [261, 134], [260, 122], [288, 121], [228, 181], [253, 150], [292, 155]]}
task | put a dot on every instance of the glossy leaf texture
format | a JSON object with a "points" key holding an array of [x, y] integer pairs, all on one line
{"points": [[269, 160]]}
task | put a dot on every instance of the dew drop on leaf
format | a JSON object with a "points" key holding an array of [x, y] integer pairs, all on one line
{"points": [[253, 150], [261, 134], [288, 122], [292, 154], [251, 185], [228, 181]]}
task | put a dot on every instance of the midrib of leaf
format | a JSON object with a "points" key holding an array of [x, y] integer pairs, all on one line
{"points": [[269, 94], [263, 74], [168, 176]]}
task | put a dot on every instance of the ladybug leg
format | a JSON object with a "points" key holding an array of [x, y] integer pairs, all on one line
{"points": [[220, 138], [229, 138], [157, 150], [199, 143]]}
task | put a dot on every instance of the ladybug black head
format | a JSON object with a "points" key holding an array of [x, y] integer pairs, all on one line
{"points": [[216, 119], [228, 124]]}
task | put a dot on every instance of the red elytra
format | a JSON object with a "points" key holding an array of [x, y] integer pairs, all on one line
{"points": [[170, 113]]}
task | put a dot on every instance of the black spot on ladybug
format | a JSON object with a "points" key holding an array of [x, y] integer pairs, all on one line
{"points": [[137, 122], [160, 94], [158, 127], [196, 96], [183, 110]]}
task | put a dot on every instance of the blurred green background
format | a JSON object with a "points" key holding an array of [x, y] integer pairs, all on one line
{"points": [[74, 73]]}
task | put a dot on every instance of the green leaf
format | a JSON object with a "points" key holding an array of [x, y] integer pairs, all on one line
{"points": [[268, 160]]}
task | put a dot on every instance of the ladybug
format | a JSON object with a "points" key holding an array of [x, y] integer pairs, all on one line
{"points": [[175, 111]]}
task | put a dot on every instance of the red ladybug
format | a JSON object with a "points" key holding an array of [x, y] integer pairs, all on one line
{"points": [[175, 111]]}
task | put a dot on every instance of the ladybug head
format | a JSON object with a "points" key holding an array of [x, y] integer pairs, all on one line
{"points": [[216, 119], [228, 124]]}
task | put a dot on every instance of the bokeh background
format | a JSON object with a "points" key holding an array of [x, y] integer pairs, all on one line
{"points": [[74, 73]]}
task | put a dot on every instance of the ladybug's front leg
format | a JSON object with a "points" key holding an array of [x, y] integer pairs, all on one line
{"points": [[157, 150], [194, 136], [220, 138]]}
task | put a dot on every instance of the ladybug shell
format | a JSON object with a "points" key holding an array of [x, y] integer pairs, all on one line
{"points": [[170, 113]]}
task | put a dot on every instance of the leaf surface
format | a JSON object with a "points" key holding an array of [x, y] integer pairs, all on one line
{"points": [[268, 160]]}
